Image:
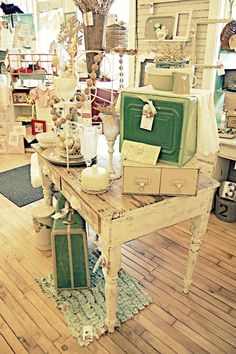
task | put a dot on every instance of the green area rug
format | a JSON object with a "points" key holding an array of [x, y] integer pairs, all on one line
{"points": [[87, 307], [16, 186]]}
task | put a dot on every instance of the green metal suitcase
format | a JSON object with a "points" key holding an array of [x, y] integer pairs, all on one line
{"points": [[174, 127], [70, 250]]}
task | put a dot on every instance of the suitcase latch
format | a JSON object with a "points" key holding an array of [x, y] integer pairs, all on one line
{"points": [[142, 182]]}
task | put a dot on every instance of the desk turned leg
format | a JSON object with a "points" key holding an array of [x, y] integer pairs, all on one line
{"points": [[46, 184], [198, 229], [111, 266]]}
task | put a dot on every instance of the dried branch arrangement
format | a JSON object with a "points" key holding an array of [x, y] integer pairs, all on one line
{"points": [[96, 6], [108, 110], [69, 37], [171, 54], [69, 30]]}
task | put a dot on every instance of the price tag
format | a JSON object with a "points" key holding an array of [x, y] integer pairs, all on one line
{"points": [[3, 130], [86, 112], [147, 118], [62, 213], [3, 147], [88, 19], [88, 333], [19, 129], [220, 69], [13, 139], [151, 8]]}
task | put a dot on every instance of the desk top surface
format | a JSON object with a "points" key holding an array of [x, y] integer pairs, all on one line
{"points": [[113, 204], [230, 142]]}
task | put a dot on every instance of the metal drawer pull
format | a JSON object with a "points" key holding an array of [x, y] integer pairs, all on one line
{"points": [[179, 183], [142, 182], [46, 170]]}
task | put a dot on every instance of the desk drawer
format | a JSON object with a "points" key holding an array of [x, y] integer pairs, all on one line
{"points": [[78, 204], [228, 151], [48, 171], [56, 179]]}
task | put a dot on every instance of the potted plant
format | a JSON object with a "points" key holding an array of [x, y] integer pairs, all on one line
{"points": [[94, 19], [161, 31], [110, 119], [167, 60], [171, 56]]}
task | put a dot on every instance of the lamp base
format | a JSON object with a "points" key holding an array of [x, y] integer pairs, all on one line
{"points": [[114, 175]]}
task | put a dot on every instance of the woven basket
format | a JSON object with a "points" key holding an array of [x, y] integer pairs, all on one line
{"points": [[228, 31]]}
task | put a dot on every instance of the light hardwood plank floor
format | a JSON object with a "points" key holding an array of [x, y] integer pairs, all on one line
{"points": [[202, 322]]}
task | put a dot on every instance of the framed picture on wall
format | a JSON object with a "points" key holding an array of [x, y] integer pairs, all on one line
{"points": [[182, 25], [141, 77], [20, 97], [167, 21], [38, 126], [11, 138]]}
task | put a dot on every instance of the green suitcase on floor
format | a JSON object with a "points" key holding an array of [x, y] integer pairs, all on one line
{"points": [[174, 127], [70, 250]]}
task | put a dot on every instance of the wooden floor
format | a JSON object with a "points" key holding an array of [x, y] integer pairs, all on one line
{"points": [[202, 322]]}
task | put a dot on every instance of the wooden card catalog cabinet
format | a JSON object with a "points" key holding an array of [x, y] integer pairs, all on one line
{"points": [[160, 179]]}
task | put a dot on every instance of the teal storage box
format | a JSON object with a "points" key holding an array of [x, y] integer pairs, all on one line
{"points": [[174, 127], [70, 250]]}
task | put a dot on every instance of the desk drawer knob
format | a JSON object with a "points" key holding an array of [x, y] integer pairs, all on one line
{"points": [[46, 170], [75, 204]]}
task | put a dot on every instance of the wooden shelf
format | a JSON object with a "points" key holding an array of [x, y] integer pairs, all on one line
{"points": [[24, 119], [165, 40], [22, 104], [21, 88], [225, 91], [228, 148]]}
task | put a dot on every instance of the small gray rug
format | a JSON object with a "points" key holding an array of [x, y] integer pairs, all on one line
{"points": [[16, 186], [87, 307]]}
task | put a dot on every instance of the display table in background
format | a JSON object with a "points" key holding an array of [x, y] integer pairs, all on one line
{"points": [[228, 149], [118, 218]]}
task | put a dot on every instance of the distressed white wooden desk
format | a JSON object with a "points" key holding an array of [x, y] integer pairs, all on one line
{"points": [[118, 218]]}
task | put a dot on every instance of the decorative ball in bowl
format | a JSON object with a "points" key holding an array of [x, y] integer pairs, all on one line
{"points": [[68, 139]]}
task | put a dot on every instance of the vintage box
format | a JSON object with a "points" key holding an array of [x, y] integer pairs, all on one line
{"points": [[231, 119], [160, 179], [174, 127], [230, 101], [70, 251]]}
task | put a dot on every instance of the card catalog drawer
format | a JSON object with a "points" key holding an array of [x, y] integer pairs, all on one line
{"points": [[160, 179], [179, 181], [141, 180], [231, 122], [78, 204]]}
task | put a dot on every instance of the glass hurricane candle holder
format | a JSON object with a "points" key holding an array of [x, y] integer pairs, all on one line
{"points": [[88, 140], [68, 140], [111, 129]]}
